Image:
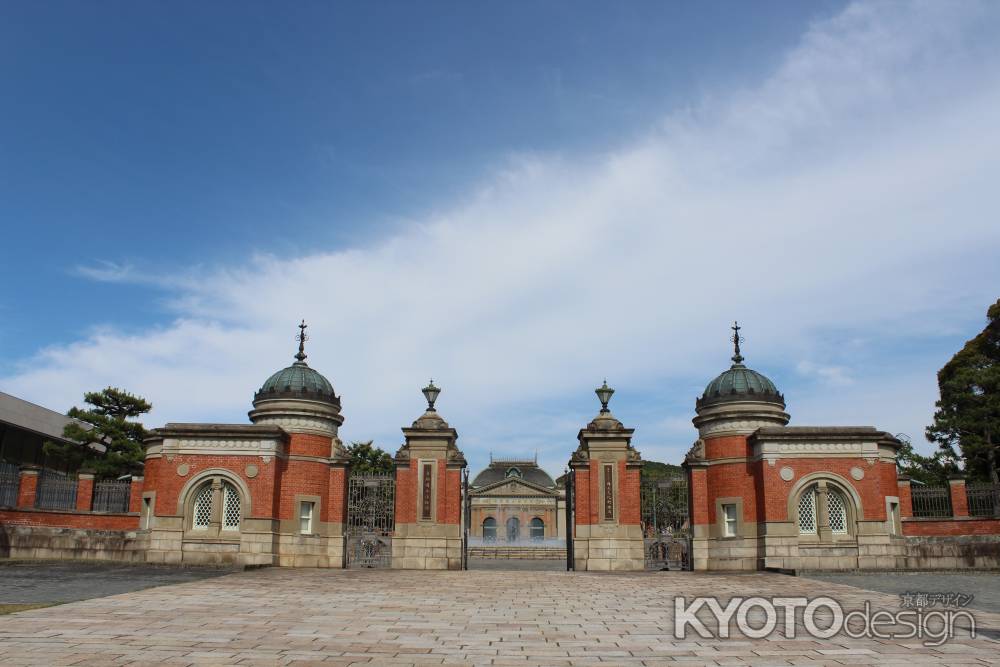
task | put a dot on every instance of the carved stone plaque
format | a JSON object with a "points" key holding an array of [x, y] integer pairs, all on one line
{"points": [[426, 492], [609, 492]]}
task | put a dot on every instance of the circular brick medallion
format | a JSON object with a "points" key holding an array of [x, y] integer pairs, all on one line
{"points": [[251, 471], [183, 469], [787, 474], [857, 473]]}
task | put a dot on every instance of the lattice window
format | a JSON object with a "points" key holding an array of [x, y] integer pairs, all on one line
{"points": [[807, 511], [838, 512], [231, 504], [203, 507]]}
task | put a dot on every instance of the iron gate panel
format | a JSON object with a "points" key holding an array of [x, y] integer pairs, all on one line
{"points": [[666, 524], [371, 519], [10, 480]]}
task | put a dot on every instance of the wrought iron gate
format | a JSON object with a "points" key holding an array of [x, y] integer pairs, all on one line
{"points": [[371, 514], [666, 525]]}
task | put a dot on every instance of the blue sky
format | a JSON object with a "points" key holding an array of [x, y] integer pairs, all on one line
{"points": [[518, 199]]}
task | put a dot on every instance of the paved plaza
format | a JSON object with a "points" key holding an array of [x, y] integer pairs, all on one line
{"points": [[334, 617]]}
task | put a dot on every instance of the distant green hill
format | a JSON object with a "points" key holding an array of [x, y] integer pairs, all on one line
{"points": [[652, 470]]}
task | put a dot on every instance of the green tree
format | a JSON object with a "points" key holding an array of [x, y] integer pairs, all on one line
{"points": [[110, 415], [933, 470], [968, 413], [368, 459]]}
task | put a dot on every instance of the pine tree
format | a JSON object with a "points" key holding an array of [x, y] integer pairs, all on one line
{"points": [[110, 413], [367, 459], [968, 413]]}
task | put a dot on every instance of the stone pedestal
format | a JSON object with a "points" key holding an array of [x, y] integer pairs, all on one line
{"points": [[429, 465], [607, 516]]}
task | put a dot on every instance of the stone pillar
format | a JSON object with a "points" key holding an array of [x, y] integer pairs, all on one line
{"points": [[959, 499], [429, 494], [905, 497], [84, 491], [135, 495], [607, 516], [28, 486]]}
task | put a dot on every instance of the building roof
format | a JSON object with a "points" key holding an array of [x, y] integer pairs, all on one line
{"points": [[298, 381], [740, 383], [500, 469], [30, 417]]}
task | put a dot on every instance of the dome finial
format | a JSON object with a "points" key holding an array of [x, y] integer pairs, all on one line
{"points": [[302, 337], [737, 339]]}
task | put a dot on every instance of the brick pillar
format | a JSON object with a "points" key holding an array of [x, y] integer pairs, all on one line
{"points": [[959, 499], [135, 495], [698, 512], [607, 517], [84, 491], [428, 495], [905, 497], [28, 486]]}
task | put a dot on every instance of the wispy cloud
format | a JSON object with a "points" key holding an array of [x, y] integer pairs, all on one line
{"points": [[853, 190], [105, 271]]}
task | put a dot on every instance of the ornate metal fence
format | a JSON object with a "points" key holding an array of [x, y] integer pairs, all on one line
{"points": [[371, 519], [9, 483], [665, 524], [55, 491], [112, 495], [931, 501], [984, 499]]}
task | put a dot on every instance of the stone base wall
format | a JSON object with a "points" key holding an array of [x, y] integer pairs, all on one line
{"points": [[777, 545], [609, 548], [980, 552], [44, 542], [427, 546], [426, 553]]}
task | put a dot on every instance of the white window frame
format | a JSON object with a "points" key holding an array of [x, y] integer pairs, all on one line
{"points": [[307, 509], [729, 520]]}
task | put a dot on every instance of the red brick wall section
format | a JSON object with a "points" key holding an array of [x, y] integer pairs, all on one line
{"points": [[725, 447], [336, 506], [903, 490], [950, 527], [959, 499], [310, 478], [69, 519], [406, 493], [161, 476], [135, 495], [629, 503], [581, 497], [26, 491], [698, 485], [84, 494], [732, 480]]}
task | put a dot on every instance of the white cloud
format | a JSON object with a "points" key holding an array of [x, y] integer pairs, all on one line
{"points": [[853, 191]]}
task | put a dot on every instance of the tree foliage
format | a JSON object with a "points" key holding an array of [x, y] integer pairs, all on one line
{"points": [[111, 414], [368, 459], [968, 412], [933, 470]]}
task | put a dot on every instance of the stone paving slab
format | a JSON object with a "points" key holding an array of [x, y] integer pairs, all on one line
{"points": [[24, 582], [286, 616], [983, 586]]}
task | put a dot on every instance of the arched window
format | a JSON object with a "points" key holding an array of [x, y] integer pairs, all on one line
{"points": [[514, 472], [513, 529], [231, 507], [215, 505], [820, 497], [537, 529], [203, 507], [489, 528]]}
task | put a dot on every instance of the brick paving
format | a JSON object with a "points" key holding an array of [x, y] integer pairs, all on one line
{"points": [[332, 617]]}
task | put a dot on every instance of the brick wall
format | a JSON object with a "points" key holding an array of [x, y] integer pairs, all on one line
{"points": [[69, 519], [968, 526]]}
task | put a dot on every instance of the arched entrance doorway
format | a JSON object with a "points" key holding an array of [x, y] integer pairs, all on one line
{"points": [[513, 529]]}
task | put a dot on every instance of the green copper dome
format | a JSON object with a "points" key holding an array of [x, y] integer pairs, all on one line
{"points": [[298, 380], [740, 383], [298, 377]]}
